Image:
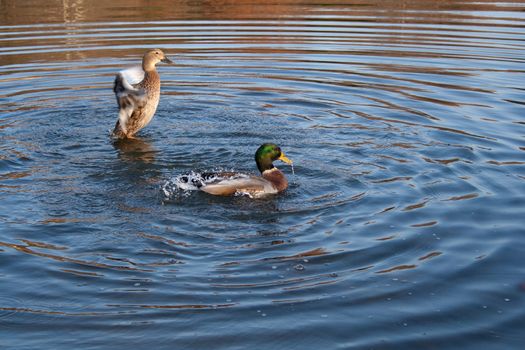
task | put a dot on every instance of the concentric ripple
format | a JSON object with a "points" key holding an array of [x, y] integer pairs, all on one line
{"points": [[402, 226]]}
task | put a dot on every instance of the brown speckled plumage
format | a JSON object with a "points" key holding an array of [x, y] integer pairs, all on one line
{"points": [[138, 102]]}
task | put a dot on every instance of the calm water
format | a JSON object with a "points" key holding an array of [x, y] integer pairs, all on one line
{"points": [[403, 227]]}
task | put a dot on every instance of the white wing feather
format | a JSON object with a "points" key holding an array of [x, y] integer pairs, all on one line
{"points": [[128, 97], [133, 75]]}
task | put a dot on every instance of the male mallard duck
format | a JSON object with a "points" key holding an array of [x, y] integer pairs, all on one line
{"points": [[272, 179], [138, 91]]}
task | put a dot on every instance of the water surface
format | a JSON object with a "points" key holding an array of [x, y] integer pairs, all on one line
{"points": [[403, 224]]}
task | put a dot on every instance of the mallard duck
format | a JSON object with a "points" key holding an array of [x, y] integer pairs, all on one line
{"points": [[138, 90], [272, 180]]}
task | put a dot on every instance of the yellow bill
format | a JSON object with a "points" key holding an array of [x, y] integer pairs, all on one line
{"points": [[285, 159]]}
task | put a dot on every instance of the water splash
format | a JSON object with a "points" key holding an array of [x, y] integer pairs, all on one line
{"points": [[182, 186]]}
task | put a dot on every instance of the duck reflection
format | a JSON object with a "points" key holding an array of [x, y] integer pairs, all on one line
{"points": [[135, 149]]}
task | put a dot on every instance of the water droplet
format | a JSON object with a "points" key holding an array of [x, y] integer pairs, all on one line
{"points": [[299, 267]]}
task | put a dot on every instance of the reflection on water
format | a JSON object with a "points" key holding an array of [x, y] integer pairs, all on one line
{"points": [[136, 149], [401, 228]]}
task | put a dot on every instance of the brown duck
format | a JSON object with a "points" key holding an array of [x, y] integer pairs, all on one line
{"points": [[272, 180], [138, 91]]}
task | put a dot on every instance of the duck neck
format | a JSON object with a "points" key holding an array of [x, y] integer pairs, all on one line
{"points": [[264, 164], [276, 177], [148, 66], [151, 78]]}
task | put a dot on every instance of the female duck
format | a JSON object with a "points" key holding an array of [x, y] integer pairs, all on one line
{"points": [[272, 180], [138, 92]]}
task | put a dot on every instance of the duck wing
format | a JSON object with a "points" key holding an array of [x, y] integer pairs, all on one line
{"points": [[251, 185], [128, 93]]}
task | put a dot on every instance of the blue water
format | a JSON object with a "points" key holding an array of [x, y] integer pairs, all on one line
{"points": [[403, 225]]}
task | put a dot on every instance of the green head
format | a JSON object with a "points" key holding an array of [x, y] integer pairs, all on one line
{"points": [[266, 154]]}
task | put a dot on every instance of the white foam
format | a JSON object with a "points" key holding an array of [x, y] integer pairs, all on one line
{"points": [[182, 185]]}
